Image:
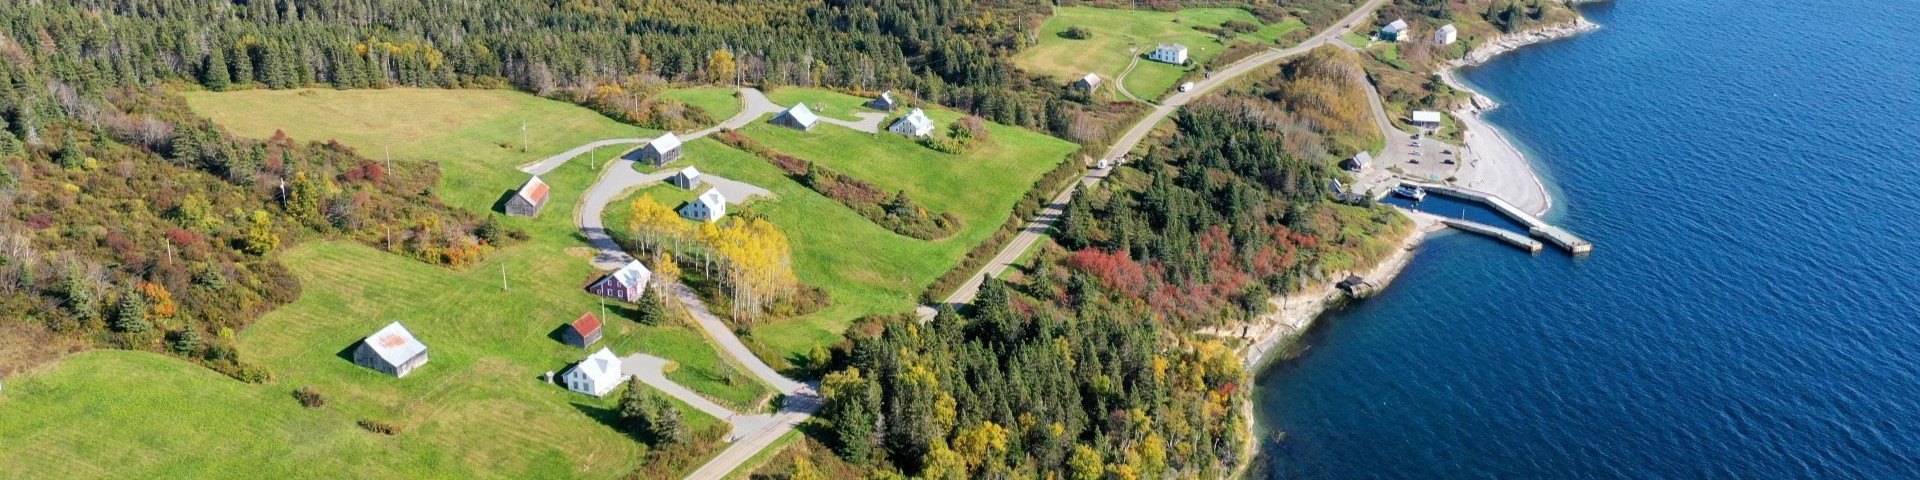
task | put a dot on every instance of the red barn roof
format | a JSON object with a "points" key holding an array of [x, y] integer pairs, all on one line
{"points": [[535, 191], [587, 324]]}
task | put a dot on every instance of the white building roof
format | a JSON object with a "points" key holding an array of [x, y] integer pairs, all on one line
{"points": [[395, 344], [690, 173], [1424, 116], [713, 200], [1172, 47], [1396, 26], [917, 119], [603, 367], [1091, 79], [887, 96], [1363, 159], [1449, 29], [666, 142], [633, 274], [800, 113]]}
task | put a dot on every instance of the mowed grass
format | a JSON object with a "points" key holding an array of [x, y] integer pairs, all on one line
{"points": [[720, 102], [1121, 34], [825, 103], [866, 268], [479, 408]]}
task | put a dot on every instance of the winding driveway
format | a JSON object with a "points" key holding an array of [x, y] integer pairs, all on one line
{"points": [[1044, 220], [751, 433]]}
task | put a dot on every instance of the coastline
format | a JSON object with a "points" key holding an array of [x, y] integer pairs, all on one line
{"points": [[1507, 172], [1500, 168]]}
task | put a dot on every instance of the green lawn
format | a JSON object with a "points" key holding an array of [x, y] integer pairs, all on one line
{"points": [[1120, 34], [825, 103], [866, 268], [1355, 39], [478, 409], [720, 102]]}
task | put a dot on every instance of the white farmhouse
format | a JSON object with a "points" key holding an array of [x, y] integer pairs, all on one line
{"points": [[1173, 53], [709, 207], [1394, 30], [915, 124], [1446, 35], [597, 375]]}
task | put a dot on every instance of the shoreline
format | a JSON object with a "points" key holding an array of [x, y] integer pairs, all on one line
{"points": [[1513, 178], [1516, 178]]}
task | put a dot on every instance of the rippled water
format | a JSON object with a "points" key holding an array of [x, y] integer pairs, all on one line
{"points": [[1749, 174]]}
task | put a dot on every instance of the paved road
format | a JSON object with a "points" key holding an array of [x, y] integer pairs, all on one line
{"points": [[553, 162], [751, 432], [1044, 220]]}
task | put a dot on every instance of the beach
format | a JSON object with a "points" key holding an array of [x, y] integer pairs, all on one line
{"points": [[1493, 164]]}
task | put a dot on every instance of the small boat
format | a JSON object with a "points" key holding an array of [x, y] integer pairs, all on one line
{"points": [[1411, 192]]}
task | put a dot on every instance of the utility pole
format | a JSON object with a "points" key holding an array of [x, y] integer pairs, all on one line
{"points": [[389, 159], [523, 136], [503, 278]]}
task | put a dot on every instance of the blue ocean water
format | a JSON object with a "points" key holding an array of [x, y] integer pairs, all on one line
{"points": [[1750, 175]]}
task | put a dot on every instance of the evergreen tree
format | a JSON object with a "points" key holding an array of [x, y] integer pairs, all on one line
{"points": [[651, 310], [131, 315], [664, 421], [215, 76]]}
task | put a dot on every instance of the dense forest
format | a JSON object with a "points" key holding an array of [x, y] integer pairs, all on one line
{"points": [[1234, 208], [1027, 388]]}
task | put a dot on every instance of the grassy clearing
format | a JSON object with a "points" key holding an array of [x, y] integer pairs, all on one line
{"points": [[720, 102], [478, 409], [826, 103], [1119, 35], [867, 268], [1355, 39]]}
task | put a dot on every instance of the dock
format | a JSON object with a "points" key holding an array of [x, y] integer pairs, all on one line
{"points": [[1535, 226], [1504, 235]]}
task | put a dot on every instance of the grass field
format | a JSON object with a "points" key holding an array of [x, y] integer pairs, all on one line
{"points": [[478, 409], [719, 102], [825, 103], [869, 269], [1119, 35]]}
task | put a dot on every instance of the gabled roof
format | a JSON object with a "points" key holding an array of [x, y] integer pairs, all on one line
{"points": [[689, 172], [586, 325], [664, 143], [602, 366], [800, 113], [534, 191], [1174, 47], [713, 199], [1397, 25], [917, 119], [886, 96], [1091, 79], [632, 274], [1449, 28], [395, 344], [1363, 158]]}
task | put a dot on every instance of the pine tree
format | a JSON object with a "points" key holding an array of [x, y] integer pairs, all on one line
{"points": [[650, 311], [664, 421], [215, 75], [131, 316]]}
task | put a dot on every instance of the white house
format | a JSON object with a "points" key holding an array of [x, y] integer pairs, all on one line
{"points": [[686, 178], [1394, 30], [1446, 35], [597, 375], [799, 117], [915, 124], [1360, 161], [1089, 82], [1173, 53], [392, 351], [1426, 118], [709, 207]]}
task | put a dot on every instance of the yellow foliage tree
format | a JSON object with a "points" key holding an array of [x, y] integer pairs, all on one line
{"points": [[655, 226], [721, 67], [755, 263]]}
